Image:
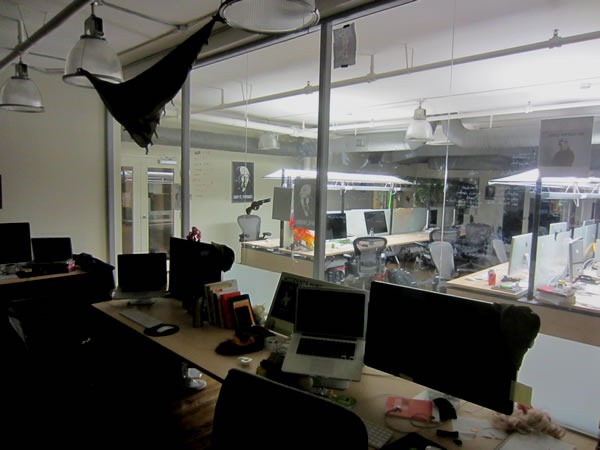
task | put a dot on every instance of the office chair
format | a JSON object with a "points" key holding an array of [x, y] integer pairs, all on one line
{"points": [[250, 225], [442, 255], [255, 411], [367, 262], [499, 250]]}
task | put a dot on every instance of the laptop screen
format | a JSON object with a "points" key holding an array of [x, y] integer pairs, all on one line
{"points": [[51, 249], [333, 312], [138, 272]]}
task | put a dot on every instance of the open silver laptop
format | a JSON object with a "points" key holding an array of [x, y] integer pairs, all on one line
{"points": [[329, 333]]}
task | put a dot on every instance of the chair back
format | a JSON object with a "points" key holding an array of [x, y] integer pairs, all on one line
{"points": [[250, 225], [447, 234], [368, 251], [442, 255], [249, 404], [500, 250]]}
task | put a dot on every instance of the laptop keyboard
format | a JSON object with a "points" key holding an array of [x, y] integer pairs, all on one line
{"points": [[330, 349]]}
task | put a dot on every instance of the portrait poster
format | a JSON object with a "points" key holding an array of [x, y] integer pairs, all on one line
{"points": [[565, 147], [242, 182], [304, 203]]}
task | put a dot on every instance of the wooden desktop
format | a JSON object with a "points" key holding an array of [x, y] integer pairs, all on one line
{"points": [[197, 346], [267, 253], [574, 323]]}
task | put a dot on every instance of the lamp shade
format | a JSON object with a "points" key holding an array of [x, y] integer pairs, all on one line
{"points": [[439, 137], [419, 129], [93, 54], [268, 141], [19, 93], [269, 16]]}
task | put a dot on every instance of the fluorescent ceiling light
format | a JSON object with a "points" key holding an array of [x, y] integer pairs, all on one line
{"points": [[341, 177]]}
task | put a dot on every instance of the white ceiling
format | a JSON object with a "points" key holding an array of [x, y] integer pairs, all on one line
{"points": [[502, 97]]}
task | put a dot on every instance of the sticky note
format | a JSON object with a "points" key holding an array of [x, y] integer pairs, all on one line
{"points": [[521, 393]]}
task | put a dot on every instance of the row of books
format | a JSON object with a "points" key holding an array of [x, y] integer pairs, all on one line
{"points": [[226, 306]]}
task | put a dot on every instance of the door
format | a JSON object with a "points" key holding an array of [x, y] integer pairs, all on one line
{"points": [[150, 209]]}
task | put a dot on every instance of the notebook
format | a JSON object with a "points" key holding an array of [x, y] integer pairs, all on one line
{"points": [[51, 249], [141, 275], [329, 333]]}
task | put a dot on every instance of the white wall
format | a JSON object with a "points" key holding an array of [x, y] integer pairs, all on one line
{"points": [[53, 165]]}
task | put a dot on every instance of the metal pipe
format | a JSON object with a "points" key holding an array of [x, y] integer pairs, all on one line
{"points": [[553, 42], [51, 25]]}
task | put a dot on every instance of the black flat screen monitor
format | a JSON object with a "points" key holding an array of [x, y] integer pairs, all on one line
{"points": [[51, 249], [141, 277], [282, 313], [191, 266], [456, 346], [15, 243], [375, 222], [335, 226]]}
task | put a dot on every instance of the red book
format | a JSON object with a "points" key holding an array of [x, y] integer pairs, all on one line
{"points": [[226, 310]]}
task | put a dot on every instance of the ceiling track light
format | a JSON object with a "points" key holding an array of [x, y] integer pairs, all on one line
{"points": [[93, 54], [269, 16], [419, 129]]}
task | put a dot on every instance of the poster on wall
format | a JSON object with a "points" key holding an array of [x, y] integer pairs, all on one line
{"points": [[565, 147], [304, 203], [242, 178]]}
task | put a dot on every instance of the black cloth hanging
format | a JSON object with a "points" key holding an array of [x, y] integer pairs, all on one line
{"points": [[138, 103]]}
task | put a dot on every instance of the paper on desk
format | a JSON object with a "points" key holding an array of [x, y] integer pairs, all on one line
{"points": [[533, 441], [479, 428]]}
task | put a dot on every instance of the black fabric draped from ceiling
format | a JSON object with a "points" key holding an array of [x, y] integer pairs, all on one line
{"points": [[138, 103]]}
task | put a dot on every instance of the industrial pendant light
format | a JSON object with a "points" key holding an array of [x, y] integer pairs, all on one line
{"points": [[439, 136], [268, 141], [93, 54], [419, 129], [269, 16], [19, 93]]}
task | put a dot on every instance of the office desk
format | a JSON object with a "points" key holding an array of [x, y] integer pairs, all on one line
{"points": [[266, 254], [197, 345], [575, 323]]}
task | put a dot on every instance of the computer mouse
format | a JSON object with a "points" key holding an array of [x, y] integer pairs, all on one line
{"points": [[164, 329]]}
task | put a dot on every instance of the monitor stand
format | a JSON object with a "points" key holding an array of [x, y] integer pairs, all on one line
{"points": [[330, 383]]}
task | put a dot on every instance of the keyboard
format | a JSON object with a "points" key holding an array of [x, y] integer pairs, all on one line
{"points": [[141, 318], [331, 349], [378, 435]]}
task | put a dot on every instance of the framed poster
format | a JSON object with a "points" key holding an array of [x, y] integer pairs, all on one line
{"points": [[304, 203], [565, 147], [242, 182]]}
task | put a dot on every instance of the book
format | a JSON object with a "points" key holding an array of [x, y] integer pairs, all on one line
{"points": [[556, 295], [211, 291], [226, 312], [409, 408]]}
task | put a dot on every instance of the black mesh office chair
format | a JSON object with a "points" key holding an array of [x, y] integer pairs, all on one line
{"points": [[291, 418], [368, 261]]}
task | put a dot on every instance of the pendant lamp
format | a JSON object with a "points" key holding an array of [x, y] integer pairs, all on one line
{"points": [[19, 93], [269, 16], [419, 129], [439, 136], [92, 53], [268, 141]]}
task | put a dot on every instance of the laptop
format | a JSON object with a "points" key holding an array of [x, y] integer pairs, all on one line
{"points": [[329, 333], [141, 277], [51, 249]]}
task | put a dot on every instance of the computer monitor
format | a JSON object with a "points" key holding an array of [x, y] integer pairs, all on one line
{"points": [[141, 277], [51, 249], [335, 226], [282, 313], [375, 222], [558, 227], [15, 244], [455, 346], [520, 253], [576, 259]]}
